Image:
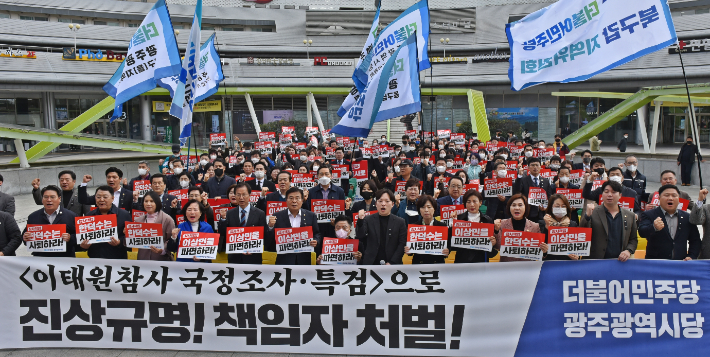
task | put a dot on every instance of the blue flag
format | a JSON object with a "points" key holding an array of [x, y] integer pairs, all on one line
{"points": [[361, 116], [152, 55], [184, 96], [209, 73]]}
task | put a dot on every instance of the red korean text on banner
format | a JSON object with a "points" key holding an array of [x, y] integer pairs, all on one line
{"points": [[254, 197], [288, 129], [472, 235], [511, 165], [443, 134], [360, 170], [302, 146], [192, 162], [624, 202], [342, 171], [522, 245], [285, 140], [499, 186], [293, 240], [576, 177], [312, 130], [326, 210], [458, 139], [198, 244], [438, 180], [338, 251], [537, 197], [179, 219], [427, 239], [144, 235], [267, 136], [427, 135], [242, 240], [272, 207], [46, 238], [367, 153], [325, 133], [412, 134], [356, 216], [181, 195], [569, 240], [303, 181], [339, 140], [218, 139], [135, 214], [547, 174], [96, 229], [220, 213], [516, 151], [597, 184], [450, 212], [141, 186], [574, 196]]}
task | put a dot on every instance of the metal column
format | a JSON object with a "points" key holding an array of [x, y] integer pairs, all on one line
{"points": [[146, 109], [654, 131], [641, 116], [314, 106], [253, 113]]}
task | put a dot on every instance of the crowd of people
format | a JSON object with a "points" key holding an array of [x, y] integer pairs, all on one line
{"points": [[406, 184]]}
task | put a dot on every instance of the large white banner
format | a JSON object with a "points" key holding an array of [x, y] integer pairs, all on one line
{"points": [[574, 40]]}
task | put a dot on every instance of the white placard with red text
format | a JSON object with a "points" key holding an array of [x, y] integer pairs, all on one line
{"points": [[472, 235], [569, 240], [326, 210], [96, 229], [293, 240], [522, 245], [198, 244], [427, 239], [245, 240], [46, 238], [144, 235], [337, 251]]}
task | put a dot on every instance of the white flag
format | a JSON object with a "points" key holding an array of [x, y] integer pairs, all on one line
{"points": [[209, 74], [152, 55], [574, 40], [371, 38], [184, 96]]}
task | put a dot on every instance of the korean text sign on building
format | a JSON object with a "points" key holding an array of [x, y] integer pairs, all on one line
{"points": [[574, 40]]}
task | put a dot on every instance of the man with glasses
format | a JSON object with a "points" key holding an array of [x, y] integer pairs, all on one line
{"points": [[169, 202], [456, 192], [383, 235], [293, 217], [534, 179], [244, 215]]}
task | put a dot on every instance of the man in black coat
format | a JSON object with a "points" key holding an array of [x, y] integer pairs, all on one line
{"points": [[668, 230], [686, 159], [284, 184], [325, 185], [253, 217], [259, 183], [383, 235], [293, 217], [115, 249], [496, 205], [633, 179], [615, 174], [123, 198], [170, 203], [10, 236], [69, 196], [53, 213], [534, 179], [623, 142]]}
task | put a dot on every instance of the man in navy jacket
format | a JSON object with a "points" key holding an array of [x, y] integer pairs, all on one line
{"points": [[324, 186], [53, 213], [668, 230]]}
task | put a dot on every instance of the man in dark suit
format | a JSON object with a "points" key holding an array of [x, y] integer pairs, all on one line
{"points": [[525, 182], [496, 205], [69, 195], [170, 203], [53, 213], [293, 217], [613, 228], [686, 159], [7, 202], [455, 196], [586, 162], [143, 174], [242, 216], [115, 249], [284, 184], [668, 230], [122, 198], [10, 235], [325, 190], [340, 160], [615, 174], [259, 183], [383, 235]]}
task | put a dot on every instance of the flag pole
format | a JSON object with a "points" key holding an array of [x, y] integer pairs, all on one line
{"points": [[691, 113]]}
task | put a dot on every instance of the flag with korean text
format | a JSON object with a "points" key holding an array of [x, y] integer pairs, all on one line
{"points": [[574, 40], [186, 87], [367, 48], [152, 55]]}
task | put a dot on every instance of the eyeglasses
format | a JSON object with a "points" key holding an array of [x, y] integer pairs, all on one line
{"points": [[456, 186], [294, 199], [241, 195]]}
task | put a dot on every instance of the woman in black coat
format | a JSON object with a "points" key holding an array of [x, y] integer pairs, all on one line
{"points": [[473, 200], [426, 205]]}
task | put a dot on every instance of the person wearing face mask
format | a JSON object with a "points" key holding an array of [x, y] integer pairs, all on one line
{"points": [[534, 179], [143, 174], [623, 142], [260, 183], [633, 179], [472, 201], [527, 155], [440, 173], [561, 148], [325, 190], [426, 207], [586, 163], [558, 214], [518, 209], [563, 180], [168, 202], [616, 175], [614, 229], [404, 171], [184, 181], [218, 185], [200, 169], [174, 179], [367, 191], [163, 163], [343, 227], [686, 159], [555, 163]]}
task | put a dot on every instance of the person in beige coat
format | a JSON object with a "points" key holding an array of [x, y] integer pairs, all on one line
{"points": [[152, 205], [614, 229]]}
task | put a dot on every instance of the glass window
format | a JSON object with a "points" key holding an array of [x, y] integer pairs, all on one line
{"points": [[255, 29], [102, 23], [207, 28], [232, 29], [177, 27], [30, 18], [74, 108], [7, 111], [132, 25], [4, 16], [40, 18], [267, 30], [569, 112], [71, 21]]}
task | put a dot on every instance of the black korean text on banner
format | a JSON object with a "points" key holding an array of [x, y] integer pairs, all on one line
{"points": [[511, 165], [337, 251], [427, 239], [537, 197], [220, 213], [444, 182], [450, 212], [303, 181], [264, 147], [288, 129], [144, 235], [547, 174], [285, 140], [443, 134], [329, 153], [360, 169], [523, 245], [135, 214], [245, 240], [198, 244], [458, 139], [574, 196], [326, 210], [274, 206], [181, 195], [267, 136], [293, 240], [96, 229], [569, 240], [412, 134], [597, 184], [254, 197], [366, 154], [576, 177], [499, 186], [191, 163], [218, 139], [356, 216], [343, 171], [472, 235], [516, 151], [141, 186], [233, 160], [46, 238]]}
